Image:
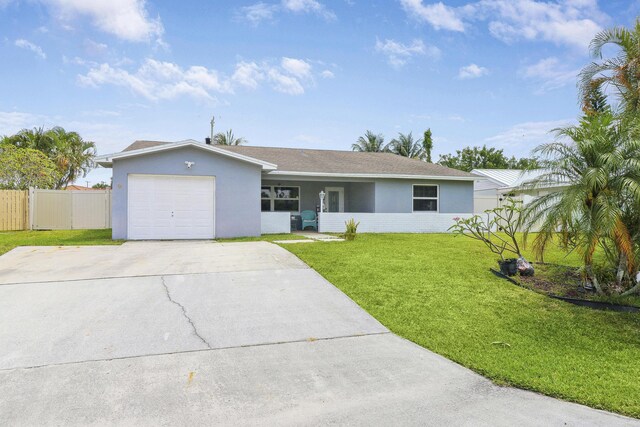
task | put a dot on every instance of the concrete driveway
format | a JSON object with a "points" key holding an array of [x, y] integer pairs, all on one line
{"points": [[182, 333]]}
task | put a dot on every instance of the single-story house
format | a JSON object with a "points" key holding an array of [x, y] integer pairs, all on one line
{"points": [[194, 190]]}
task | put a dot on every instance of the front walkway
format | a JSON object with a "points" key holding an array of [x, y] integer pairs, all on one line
{"points": [[196, 333], [312, 236]]}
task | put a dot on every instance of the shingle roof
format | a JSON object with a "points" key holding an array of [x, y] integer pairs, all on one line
{"points": [[140, 144], [333, 161]]}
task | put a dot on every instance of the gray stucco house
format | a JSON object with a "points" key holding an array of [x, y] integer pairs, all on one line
{"points": [[193, 190]]}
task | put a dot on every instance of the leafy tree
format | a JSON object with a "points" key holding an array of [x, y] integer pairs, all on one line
{"points": [[484, 157], [598, 164], [72, 155], [228, 138], [21, 168], [523, 163], [101, 186], [622, 72], [406, 146], [427, 143], [370, 142]]}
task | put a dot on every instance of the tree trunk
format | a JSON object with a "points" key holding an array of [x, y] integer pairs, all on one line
{"points": [[594, 279], [634, 289], [622, 268]]}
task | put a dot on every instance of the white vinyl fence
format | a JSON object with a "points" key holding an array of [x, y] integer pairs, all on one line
{"points": [[69, 210]]}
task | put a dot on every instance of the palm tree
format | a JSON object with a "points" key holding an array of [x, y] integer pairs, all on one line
{"points": [[599, 170], [370, 142], [36, 139], [427, 143], [406, 146], [228, 138], [621, 71], [72, 155]]}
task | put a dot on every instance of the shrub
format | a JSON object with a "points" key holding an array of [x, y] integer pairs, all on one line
{"points": [[351, 229]]}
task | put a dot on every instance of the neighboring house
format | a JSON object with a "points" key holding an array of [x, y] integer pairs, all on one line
{"points": [[74, 187], [191, 190], [498, 184]]}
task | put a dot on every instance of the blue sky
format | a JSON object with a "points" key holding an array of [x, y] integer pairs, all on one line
{"points": [[298, 73]]}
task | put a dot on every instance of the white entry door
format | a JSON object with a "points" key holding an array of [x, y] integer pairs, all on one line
{"points": [[170, 207]]}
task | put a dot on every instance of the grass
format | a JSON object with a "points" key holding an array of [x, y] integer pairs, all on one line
{"points": [[436, 290], [12, 239], [265, 238]]}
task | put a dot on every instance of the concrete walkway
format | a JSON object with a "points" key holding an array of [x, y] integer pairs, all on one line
{"points": [[223, 334]]}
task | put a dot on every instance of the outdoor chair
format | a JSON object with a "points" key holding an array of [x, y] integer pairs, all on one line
{"points": [[309, 219]]}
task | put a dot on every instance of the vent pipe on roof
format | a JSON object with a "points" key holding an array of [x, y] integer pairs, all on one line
{"points": [[207, 141]]}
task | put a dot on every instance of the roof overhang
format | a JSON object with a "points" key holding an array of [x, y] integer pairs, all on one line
{"points": [[374, 176], [107, 159]]}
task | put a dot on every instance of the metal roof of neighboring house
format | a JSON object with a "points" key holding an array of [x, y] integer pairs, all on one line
{"points": [[313, 162], [509, 177]]}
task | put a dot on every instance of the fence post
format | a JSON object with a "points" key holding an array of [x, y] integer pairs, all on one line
{"points": [[32, 202]]}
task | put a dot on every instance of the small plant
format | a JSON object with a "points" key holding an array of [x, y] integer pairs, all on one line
{"points": [[351, 230], [498, 233]]}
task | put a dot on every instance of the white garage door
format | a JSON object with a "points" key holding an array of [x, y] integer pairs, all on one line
{"points": [[170, 207]]}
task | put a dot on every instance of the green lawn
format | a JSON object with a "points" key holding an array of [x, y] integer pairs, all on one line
{"points": [[12, 239], [436, 290]]}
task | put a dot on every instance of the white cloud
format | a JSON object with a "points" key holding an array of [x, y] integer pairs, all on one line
{"points": [[158, 80], [521, 138], [567, 22], [439, 15], [308, 6], [398, 54], [550, 73], [297, 67], [126, 19], [26, 44], [327, 74], [261, 11], [248, 74], [94, 48], [285, 83], [472, 71], [207, 79], [563, 22]]}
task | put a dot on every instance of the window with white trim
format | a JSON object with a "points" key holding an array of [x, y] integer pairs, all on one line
{"points": [[280, 199], [425, 198]]}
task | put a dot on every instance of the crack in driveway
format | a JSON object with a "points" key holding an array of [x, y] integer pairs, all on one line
{"points": [[184, 313]]}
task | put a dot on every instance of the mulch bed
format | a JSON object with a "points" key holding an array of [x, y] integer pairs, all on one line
{"points": [[564, 283]]}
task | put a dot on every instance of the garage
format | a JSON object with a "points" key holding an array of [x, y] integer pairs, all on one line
{"points": [[171, 207], [184, 190]]}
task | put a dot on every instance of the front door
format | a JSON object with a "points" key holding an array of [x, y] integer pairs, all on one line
{"points": [[335, 199]]}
